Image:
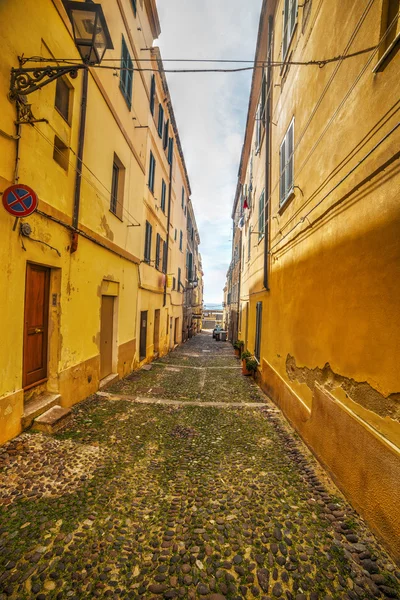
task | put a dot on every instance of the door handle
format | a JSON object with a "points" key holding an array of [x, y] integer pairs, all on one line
{"points": [[38, 330]]}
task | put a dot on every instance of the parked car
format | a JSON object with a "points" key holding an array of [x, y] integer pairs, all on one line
{"points": [[216, 330]]}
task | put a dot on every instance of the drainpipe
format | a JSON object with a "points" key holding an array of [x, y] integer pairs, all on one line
{"points": [[78, 177], [267, 153], [168, 225]]}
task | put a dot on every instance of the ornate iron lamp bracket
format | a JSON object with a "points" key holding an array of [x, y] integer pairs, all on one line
{"points": [[24, 81]]}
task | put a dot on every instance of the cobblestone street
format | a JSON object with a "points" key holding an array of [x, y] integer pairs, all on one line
{"points": [[165, 487]]}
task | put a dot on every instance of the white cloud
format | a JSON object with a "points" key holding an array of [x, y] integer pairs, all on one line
{"points": [[210, 110]]}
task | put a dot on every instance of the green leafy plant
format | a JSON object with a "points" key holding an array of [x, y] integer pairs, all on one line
{"points": [[251, 364], [246, 354], [238, 345]]}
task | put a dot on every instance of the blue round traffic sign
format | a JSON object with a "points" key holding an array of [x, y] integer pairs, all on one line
{"points": [[20, 200]]}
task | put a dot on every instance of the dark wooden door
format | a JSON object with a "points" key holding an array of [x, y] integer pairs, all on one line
{"points": [[143, 334], [106, 335], [157, 330], [36, 324]]}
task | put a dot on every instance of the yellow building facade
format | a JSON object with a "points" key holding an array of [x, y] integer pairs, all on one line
{"points": [[75, 275], [317, 207]]}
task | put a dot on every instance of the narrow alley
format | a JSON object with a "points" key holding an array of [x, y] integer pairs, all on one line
{"points": [[180, 481]]}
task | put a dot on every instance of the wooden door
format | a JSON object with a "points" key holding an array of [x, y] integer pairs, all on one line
{"points": [[157, 330], [176, 337], [143, 334], [36, 325], [106, 335]]}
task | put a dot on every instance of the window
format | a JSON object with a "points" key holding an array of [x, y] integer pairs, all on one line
{"points": [[176, 234], [260, 114], [257, 343], [163, 195], [166, 132], [134, 7], [117, 187], [61, 153], [158, 251], [183, 197], [189, 266], [160, 128], [147, 242], [249, 245], [126, 74], [152, 171], [286, 162], [181, 241], [289, 23], [170, 150], [152, 94], [165, 258], [62, 101], [390, 31], [261, 216], [173, 283], [179, 279]]}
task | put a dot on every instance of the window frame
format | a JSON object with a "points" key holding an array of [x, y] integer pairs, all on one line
{"points": [[126, 76], [286, 192], [261, 216], [288, 27], [257, 339], [163, 195], [147, 242], [67, 117], [152, 172], [160, 127], [117, 195], [181, 241]]}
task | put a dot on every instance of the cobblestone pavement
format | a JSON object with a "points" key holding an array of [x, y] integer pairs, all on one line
{"points": [[159, 500]]}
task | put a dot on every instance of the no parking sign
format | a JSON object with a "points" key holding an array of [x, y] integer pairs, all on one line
{"points": [[20, 200]]}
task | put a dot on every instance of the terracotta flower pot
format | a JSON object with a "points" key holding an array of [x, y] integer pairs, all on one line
{"points": [[244, 368], [237, 352]]}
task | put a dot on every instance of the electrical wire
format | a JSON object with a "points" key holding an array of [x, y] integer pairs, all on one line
{"points": [[333, 116], [360, 162], [127, 213], [355, 82], [259, 65]]}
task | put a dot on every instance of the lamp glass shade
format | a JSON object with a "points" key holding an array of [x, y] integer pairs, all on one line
{"points": [[90, 30]]}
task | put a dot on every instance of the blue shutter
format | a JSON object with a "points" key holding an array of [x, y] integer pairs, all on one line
{"points": [[163, 194], [152, 170], [152, 94], [134, 7], [160, 120], [170, 149], [126, 74], [158, 251], [166, 132]]}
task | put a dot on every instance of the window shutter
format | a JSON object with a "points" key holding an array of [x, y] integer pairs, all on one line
{"points": [[147, 242], [290, 158], [282, 161], [166, 132], [158, 251], [164, 262], [258, 330], [170, 150], [152, 94], [160, 120], [163, 194]]}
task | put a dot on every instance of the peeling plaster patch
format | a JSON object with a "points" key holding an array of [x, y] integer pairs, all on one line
{"points": [[8, 410], [361, 392], [106, 228]]}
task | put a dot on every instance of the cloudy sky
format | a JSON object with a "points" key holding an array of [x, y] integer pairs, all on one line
{"points": [[210, 110]]}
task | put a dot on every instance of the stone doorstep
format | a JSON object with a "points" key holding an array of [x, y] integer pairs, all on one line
{"points": [[52, 420], [106, 381], [37, 406]]}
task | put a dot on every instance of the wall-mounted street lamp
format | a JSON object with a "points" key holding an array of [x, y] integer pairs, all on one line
{"points": [[91, 37]]}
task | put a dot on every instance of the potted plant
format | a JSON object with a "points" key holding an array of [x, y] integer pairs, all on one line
{"points": [[251, 365], [238, 345], [245, 355]]}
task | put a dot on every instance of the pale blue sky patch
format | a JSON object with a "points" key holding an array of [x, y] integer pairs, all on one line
{"points": [[210, 110]]}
